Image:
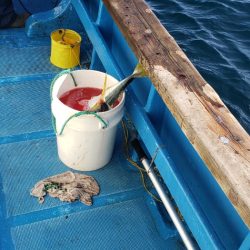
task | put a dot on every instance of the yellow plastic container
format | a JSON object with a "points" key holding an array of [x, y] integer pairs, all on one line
{"points": [[65, 48]]}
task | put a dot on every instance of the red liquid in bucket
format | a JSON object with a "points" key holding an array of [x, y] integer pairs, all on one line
{"points": [[78, 98]]}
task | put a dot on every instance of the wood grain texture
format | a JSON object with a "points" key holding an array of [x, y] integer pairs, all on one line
{"points": [[213, 131]]}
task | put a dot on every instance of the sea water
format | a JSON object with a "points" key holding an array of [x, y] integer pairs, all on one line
{"points": [[215, 35]]}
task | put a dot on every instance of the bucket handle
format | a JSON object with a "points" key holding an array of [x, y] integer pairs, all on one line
{"points": [[80, 113], [67, 71]]}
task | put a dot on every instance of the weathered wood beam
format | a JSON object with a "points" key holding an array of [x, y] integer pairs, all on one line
{"points": [[213, 131]]}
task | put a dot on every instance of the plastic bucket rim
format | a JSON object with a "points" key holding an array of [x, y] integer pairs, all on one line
{"points": [[99, 113]]}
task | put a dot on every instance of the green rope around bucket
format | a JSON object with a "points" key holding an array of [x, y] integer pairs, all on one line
{"points": [[80, 113], [67, 71]]}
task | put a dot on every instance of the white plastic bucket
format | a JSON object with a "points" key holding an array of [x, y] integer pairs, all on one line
{"points": [[85, 143]]}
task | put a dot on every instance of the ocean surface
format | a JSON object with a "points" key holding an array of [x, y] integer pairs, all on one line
{"points": [[215, 35]]}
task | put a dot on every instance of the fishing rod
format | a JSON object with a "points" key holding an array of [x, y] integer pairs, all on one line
{"points": [[165, 199]]}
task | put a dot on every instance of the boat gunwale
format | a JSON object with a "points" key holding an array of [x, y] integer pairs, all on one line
{"points": [[214, 132]]}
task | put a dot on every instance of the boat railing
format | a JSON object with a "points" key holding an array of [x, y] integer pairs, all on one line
{"points": [[214, 132]]}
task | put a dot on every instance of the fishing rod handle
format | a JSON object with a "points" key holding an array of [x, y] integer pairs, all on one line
{"points": [[138, 149]]}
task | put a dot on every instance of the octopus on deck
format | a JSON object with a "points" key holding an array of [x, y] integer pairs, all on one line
{"points": [[67, 187]]}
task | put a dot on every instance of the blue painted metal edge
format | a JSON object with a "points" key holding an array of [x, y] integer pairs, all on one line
{"points": [[246, 243], [62, 16], [97, 39], [27, 136]]}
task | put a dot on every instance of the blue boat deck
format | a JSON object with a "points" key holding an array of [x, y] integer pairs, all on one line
{"points": [[123, 216]]}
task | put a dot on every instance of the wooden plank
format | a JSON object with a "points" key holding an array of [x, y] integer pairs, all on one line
{"points": [[213, 131]]}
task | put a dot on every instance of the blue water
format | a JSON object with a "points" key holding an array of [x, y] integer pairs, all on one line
{"points": [[215, 35]]}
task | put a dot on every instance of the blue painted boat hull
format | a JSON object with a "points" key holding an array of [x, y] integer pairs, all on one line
{"points": [[123, 216]]}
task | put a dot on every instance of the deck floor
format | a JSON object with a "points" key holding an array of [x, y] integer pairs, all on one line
{"points": [[121, 216]]}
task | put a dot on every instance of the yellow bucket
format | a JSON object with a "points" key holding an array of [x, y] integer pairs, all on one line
{"points": [[65, 48]]}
